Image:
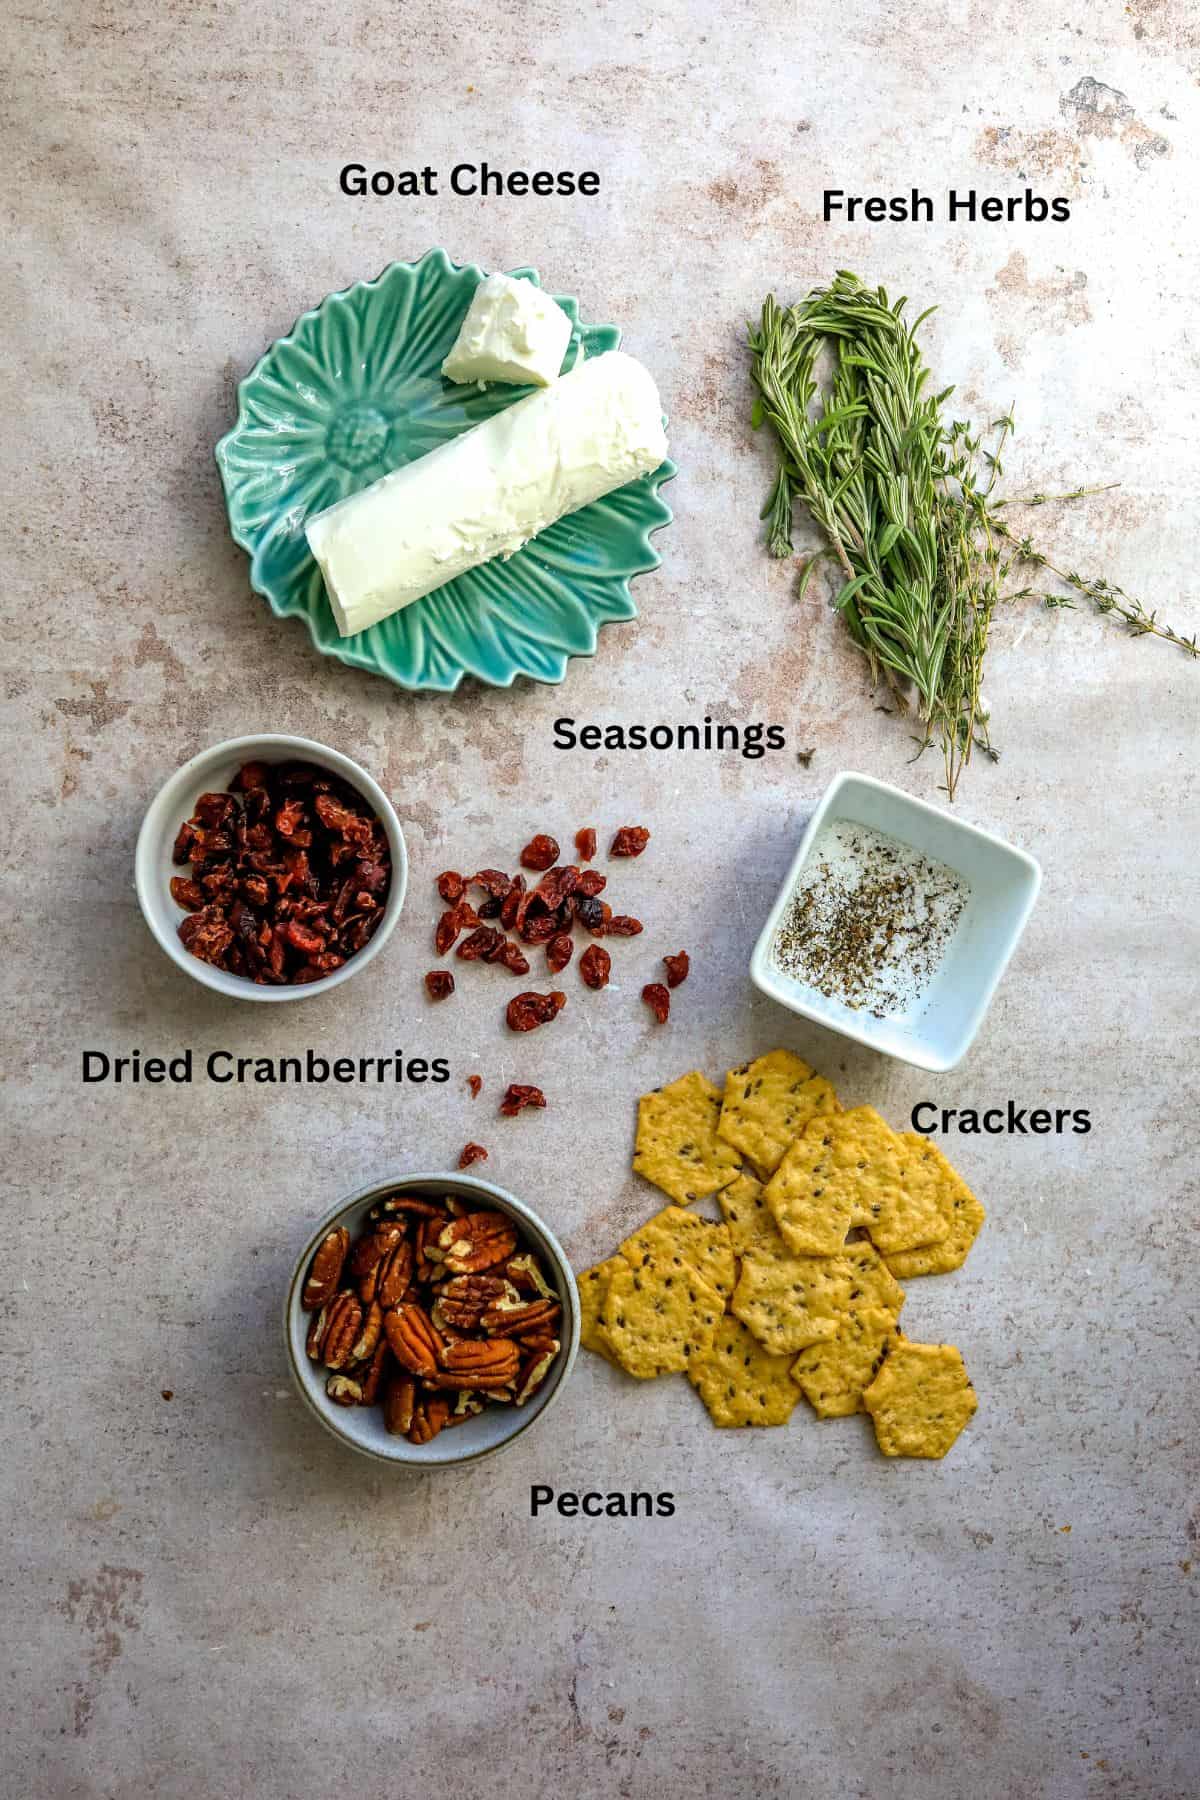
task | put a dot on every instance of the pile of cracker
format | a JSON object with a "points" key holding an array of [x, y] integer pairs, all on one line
{"points": [[797, 1290]]}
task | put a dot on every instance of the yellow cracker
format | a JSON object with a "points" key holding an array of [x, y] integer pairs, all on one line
{"points": [[920, 1400], [677, 1147], [593, 1285], [740, 1382], [873, 1284], [791, 1301], [657, 1318], [768, 1102], [687, 1240], [749, 1218], [957, 1205], [833, 1374], [846, 1169]]}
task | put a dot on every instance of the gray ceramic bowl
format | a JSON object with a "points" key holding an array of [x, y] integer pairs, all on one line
{"points": [[213, 770], [361, 1427]]}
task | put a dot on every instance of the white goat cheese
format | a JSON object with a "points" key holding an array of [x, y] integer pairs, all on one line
{"points": [[512, 332]]}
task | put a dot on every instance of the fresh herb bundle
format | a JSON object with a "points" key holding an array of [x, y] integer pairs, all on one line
{"points": [[907, 504]]}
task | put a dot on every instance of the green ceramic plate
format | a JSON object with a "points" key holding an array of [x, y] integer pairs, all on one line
{"points": [[355, 390]]}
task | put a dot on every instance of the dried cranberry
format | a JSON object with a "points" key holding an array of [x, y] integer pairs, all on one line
{"points": [[585, 843], [250, 775], [326, 962], [514, 958], [215, 809], [554, 888], [658, 1000], [439, 984], [595, 966], [301, 938], [475, 1083], [527, 1011], [508, 910], [591, 883], [540, 852], [472, 1153], [621, 925], [257, 889], [489, 908], [188, 894], [493, 881], [185, 837], [483, 945], [539, 929], [559, 951], [340, 819], [372, 874], [448, 929], [451, 886], [677, 968], [593, 914], [631, 840], [289, 818], [518, 1097], [206, 934]]}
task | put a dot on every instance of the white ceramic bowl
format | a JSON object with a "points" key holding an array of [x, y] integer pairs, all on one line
{"points": [[212, 771], [362, 1427], [1004, 883]]}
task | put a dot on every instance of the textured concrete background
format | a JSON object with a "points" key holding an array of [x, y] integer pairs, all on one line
{"points": [[206, 1597]]}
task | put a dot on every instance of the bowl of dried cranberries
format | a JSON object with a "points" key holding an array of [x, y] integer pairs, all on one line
{"points": [[271, 867], [430, 1320]]}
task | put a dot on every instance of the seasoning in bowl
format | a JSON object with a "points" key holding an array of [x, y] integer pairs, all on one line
{"points": [[433, 1313], [870, 921], [289, 874]]}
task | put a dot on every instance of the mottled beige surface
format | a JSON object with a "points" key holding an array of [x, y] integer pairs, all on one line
{"points": [[206, 1597]]}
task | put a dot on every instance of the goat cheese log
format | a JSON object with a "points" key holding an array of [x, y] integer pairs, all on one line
{"points": [[487, 492]]}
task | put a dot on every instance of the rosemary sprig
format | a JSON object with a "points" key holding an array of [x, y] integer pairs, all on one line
{"points": [[907, 504]]}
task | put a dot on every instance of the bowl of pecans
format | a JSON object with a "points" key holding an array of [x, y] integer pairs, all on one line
{"points": [[430, 1320], [271, 867]]}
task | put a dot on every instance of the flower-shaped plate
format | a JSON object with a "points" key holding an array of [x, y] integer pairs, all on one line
{"points": [[355, 390]]}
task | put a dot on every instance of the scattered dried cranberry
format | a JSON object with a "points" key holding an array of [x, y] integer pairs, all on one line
{"points": [[472, 1153], [677, 968], [526, 1011], [539, 929], [439, 984], [483, 945], [475, 1083], [631, 840], [555, 887], [658, 1000], [513, 957], [540, 852], [595, 965], [621, 925], [585, 843], [508, 910], [593, 914], [518, 1098], [559, 951], [591, 883], [451, 886], [448, 929], [494, 882]]}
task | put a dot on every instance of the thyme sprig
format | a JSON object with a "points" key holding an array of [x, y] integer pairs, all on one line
{"points": [[907, 503]]}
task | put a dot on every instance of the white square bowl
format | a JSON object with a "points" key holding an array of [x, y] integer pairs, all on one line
{"points": [[1003, 882]]}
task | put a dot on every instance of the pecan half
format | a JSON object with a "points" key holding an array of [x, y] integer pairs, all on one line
{"points": [[517, 1320], [345, 1390], [464, 1300], [371, 1378], [316, 1334], [392, 1274], [525, 1272], [369, 1334], [371, 1250], [325, 1270], [344, 1323], [402, 1203], [490, 1364], [399, 1399], [534, 1370], [429, 1416], [477, 1242], [467, 1405], [414, 1341]]}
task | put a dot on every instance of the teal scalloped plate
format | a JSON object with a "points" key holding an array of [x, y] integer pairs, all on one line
{"points": [[355, 390]]}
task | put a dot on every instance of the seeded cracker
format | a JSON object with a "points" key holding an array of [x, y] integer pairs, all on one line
{"points": [[593, 1286], [768, 1102], [749, 1218], [687, 1241], [920, 1400], [872, 1282], [677, 1147], [833, 1374], [788, 1302], [846, 1169], [740, 1382], [959, 1209], [658, 1319]]}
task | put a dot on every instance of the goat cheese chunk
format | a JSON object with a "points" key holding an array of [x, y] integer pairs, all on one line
{"points": [[512, 332]]}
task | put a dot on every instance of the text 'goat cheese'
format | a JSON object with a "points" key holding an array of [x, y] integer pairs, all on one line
{"points": [[486, 493]]}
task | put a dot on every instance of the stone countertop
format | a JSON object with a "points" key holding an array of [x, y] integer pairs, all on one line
{"points": [[203, 1594]]}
